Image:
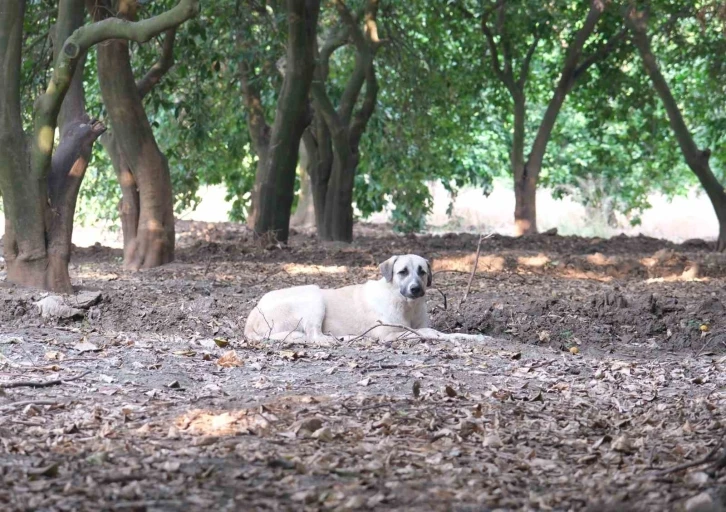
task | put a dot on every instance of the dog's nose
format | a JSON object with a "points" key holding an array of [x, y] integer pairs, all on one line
{"points": [[415, 289]]}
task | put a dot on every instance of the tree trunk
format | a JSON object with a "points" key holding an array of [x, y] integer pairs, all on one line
{"points": [[273, 192], [525, 188], [339, 200], [148, 211], [46, 265], [320, 170], [129, 206], [24, 246], [697, 159]]}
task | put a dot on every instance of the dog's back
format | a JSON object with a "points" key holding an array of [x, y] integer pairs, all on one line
{"points": [[282, 311]]}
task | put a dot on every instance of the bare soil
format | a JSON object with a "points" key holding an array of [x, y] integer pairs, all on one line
{"points": [[604, 373]]}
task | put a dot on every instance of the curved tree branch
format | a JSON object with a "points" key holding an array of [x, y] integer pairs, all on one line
{"points": [[160, 67], [361, 118], [524, 68], [48, 104]]}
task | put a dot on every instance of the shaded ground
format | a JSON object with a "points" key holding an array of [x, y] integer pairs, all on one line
{"points": [[518, 423]]}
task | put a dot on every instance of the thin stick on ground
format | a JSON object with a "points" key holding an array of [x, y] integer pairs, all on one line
{"points": [[23, 403], [711, 457], [473, 270], [289, 333], [40, 383], [395, 326]]}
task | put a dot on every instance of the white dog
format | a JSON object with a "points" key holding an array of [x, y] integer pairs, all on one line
{"points": [[396, 301]]}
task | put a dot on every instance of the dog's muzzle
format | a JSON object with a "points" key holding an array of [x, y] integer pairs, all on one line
{"points": [[413, 291]]}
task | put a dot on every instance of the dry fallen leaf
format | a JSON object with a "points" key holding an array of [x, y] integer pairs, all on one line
{"points": [[492, 441], [450, 392], [54, 355], [290, 355], [622, 444], [230, 360], [85, 346]]}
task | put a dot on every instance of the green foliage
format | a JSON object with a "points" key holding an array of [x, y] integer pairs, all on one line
{"points": [[441, 113]]}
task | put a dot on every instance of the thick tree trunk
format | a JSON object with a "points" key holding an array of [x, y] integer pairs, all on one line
{"points": [[274, 187], [56, 199], [137, 158], [24, 243], [697, 159], [320, 170], [339, 201]]}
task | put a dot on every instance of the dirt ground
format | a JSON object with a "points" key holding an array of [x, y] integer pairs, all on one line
{"points": [[605, 372]]}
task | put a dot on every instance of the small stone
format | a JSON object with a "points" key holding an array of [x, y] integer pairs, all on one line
{"points": [[622, 444], [697, 478], [700, 503], [323, 434]]}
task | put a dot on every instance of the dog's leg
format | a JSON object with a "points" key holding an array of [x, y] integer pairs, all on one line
{"points": [[432, 334]]}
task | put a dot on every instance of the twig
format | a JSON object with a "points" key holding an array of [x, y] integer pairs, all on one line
{"points": [[473, 270], [704, 346], [396, 326], [444, 296], [206, 268], [23, 403], [40, 383], [290, 332], [711, 457]]}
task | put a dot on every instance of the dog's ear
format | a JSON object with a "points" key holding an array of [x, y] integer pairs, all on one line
{"points": [[429, 274], [386, 268]]}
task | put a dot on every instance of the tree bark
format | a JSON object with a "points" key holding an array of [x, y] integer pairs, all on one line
{"points": [[24, 246], [277, 147], [697, 159], [39, 188], [70, 160], [147, 205]]}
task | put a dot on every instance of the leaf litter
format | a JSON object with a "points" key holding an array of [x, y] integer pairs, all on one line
{"points": [[179, 412]]}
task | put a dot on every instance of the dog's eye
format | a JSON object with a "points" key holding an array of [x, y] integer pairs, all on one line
{"points": [[403, 272], [421, 271]]}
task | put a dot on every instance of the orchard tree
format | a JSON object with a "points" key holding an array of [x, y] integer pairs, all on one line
{"points": [[277, 146], [147, 204], [697, 159], [332, 142], [514, 33], [39, 191]]}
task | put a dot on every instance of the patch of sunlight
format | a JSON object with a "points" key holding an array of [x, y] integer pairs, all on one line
{"points": [[297, 269], [601, 260], [228, 423], [579, 274], [533, 261], [487, 263], [45, 139]]}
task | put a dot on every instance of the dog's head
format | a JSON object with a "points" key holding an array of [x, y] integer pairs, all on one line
{"points": [[411, 274]]}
